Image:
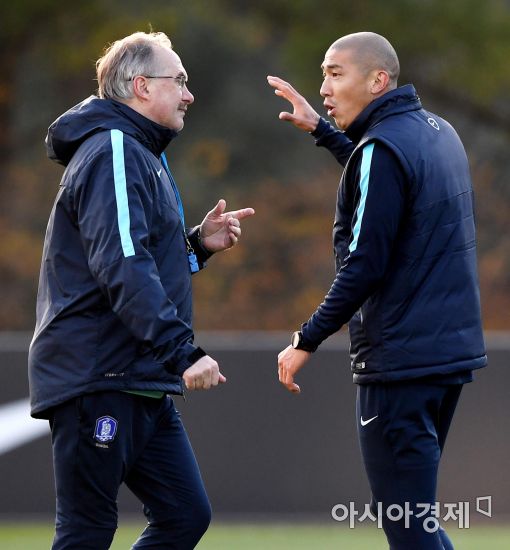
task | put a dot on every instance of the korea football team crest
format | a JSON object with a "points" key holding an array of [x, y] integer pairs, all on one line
{"points": [[106, 428]]}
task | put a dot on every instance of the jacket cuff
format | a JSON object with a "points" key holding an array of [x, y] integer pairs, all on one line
{"points": [[321, 129], [188, 356], [308, 343]]}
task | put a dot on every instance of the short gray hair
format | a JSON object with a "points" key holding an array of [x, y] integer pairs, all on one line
{"points": [[125, 59]]}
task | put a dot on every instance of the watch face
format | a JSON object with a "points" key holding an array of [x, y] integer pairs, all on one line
{"points": [[295, 339]]}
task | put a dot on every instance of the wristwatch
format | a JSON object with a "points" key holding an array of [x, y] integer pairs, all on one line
{"points": [[297, 342]]}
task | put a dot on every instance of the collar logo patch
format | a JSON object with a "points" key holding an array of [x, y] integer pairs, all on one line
{"points": [[106, 428]]}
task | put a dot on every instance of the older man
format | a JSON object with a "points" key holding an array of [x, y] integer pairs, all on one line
{"points": [[406, 279], [114, 336]]}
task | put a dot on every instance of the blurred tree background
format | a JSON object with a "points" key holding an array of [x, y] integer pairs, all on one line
{"points": [[234, 146]]}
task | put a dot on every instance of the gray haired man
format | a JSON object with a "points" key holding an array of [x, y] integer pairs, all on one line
{"points": [[114, 336]]}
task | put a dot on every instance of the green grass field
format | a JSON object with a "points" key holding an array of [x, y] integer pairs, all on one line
{"points": [[33, 536]]}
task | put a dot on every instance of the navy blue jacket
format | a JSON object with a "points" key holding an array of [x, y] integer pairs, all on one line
{"points": [[404, 240], [114, 305]]}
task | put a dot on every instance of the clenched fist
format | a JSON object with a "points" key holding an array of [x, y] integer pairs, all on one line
{"points": [[203, 374]]}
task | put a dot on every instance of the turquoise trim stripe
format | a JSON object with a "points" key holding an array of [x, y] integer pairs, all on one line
{"points": [[364, 178], [119, 177]]}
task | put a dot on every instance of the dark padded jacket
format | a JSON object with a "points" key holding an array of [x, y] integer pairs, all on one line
{"points": [[114, 304], [404, 240]]}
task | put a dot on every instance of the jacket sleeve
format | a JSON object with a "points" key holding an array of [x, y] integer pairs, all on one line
{"points": [[114, 205], [379, 200], [337, 143]]}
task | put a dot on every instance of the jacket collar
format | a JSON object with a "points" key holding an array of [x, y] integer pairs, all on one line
{"points": [[95, 115], [396, 101], [150, 134]]}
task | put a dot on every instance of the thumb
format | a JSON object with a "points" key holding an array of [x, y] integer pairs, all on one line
{"points": [[219, 208], [222, 379], [286, 116]]}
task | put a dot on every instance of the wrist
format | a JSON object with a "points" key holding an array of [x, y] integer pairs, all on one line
{"points": [[197, 242], [200, 240], [314, 123], [196, 355], [299, 342]]}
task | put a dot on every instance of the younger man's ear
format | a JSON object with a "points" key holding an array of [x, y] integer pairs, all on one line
{"points": [[380, 82]]}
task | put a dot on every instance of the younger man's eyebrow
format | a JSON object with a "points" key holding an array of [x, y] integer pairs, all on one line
{"points": [[331, 66]]}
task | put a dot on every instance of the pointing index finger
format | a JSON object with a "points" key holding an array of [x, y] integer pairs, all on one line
{"points": [[242, 213]]}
